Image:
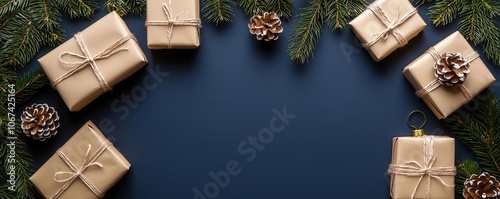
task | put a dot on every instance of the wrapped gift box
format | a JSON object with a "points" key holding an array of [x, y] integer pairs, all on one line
{"points": [[116, 56], [441, 161], [372, 27], [444, 100], [89, 152], [173, 24]]}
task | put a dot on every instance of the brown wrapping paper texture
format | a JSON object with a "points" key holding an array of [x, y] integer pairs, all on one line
{"points": [[83, 87], [183, 37], [113, 162], [445, 100], [406, 149], [367, 25]]}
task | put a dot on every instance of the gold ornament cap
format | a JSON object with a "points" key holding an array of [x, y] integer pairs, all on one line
{"points": [[417, 132]]}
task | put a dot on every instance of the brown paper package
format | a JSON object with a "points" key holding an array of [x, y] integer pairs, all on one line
{"points": [[367, 25], [406, 149], [183, 37], [445, 99], [114, 166], [83, 87]]}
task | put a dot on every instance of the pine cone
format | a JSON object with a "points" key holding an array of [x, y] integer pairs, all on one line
{"points": [[265, 26], [451, 69], [483, 186], [39, 121]]}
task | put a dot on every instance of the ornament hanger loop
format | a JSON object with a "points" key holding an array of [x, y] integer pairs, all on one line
{"points": [[413, 112]]}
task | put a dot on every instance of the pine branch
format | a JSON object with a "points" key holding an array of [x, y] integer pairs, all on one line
{"points": [[218, 10], [29, 84], [79, 8], [445, 11], [338, 11], [23, 43], [252, 7], [306, 31], [136, 6], [119, 6], [465, 169], [284, 8], [10, 6], [480, 131]]}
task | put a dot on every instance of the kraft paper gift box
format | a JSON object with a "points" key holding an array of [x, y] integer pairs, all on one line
{"points": [[387, 25], [173, 24], [444, 100], [88, 152], [408, 161], [93, 61]]}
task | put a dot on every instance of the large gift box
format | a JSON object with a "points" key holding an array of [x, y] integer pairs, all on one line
{"points": [[423, 167], [387, 25], [446, 91], [85, 167], [173, 24], [93, 61]]}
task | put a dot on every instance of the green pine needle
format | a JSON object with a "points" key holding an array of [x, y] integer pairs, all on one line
{"points": [[119, 6], [306, 31], [79, 8], [7, 7], [445, 11], [218, 10], [338, 11], [479, 130], [23, 43], [252, 7], [465, 169], [29, 84], [421, 2], [136, 6], [283, 8]]}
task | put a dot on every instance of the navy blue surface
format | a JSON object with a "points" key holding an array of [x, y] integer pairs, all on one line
{"points": [[190, 115]]}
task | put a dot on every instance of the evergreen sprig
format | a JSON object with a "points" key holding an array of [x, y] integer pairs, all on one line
{"points": [[252, 7], [477, 21], [284, 8], [29, 84], [465, 169], [218, 10], [479, 130], [306, 30]]}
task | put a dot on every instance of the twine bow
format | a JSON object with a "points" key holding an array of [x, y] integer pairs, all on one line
{"points": [[89, 60], [75, 172], [415, 169], [173, 21], [435, 83], [391, 27]]}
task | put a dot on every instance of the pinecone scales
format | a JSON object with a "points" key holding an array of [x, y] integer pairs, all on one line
{"points": [[40, 121], [451, 69], [265, 26], [483, 186]]}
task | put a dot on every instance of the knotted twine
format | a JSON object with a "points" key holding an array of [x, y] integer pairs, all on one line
{"points": [[415, 169], [173, 21], [89, 60], [89, 161], [436, 83], [391, 27]]}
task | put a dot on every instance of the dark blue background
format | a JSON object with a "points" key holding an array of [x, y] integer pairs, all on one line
{"points": [[338, 146]]}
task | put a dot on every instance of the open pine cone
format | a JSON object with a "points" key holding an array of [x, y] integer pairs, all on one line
{"points": [[451, 69], [265, 26], [39, 121], [483, 186]]}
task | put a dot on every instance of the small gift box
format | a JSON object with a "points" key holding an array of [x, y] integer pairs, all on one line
{"points": [[448, 75], [423, 167], [93, 61], [86, 166], [173, 24], [387, 25]]}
